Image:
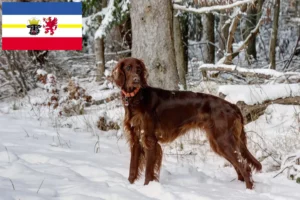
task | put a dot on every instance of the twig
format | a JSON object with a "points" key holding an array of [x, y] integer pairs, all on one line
{"points": [[40, 186], [7, 154], [12, 184], [26, 132], [280, 172], [97, 145]]}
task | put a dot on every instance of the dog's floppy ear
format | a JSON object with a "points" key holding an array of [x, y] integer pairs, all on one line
{"points": [[144, 74], [118, 75]]}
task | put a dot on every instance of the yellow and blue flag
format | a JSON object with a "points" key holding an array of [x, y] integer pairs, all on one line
{"points": [[41, 26]]}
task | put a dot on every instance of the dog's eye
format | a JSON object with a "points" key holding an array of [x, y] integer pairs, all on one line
{"points": [[128, 68], [138, 70]]}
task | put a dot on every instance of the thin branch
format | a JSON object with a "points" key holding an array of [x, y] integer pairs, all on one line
{"points": [[293, 54], [118, 52]]}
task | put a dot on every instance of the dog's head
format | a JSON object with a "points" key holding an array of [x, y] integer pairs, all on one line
{"points": [[129, 73]]}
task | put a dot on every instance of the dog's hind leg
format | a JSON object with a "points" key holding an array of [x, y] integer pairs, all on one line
{"points": [[240, 176], [158, 160], [239, 164], [228, 148]]}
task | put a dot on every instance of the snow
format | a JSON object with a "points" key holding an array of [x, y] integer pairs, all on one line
{"points": [[41, 72], [276, 133], [45, 156], [254, 94], [42, 161]]}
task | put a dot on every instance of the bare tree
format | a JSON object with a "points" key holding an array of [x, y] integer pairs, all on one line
{"points": [[208, 22], [179, 51], [274, 35], [250, 24], [153, 41], [223, 31]]}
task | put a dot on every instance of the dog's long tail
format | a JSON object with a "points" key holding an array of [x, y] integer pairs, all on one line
{"points": [[246, 154]]}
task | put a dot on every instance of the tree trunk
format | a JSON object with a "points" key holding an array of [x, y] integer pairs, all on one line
{"points": [[99, 50], [100, 59], [152, 41], [179, 51], [209, 37], [274, 35], [250, 25], [259, 9], [185, 38], [223, 30]]}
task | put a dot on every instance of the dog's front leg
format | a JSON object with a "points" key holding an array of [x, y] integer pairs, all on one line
{"points": [[135, 160], [153, 154]]}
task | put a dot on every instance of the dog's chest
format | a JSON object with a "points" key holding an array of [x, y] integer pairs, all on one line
{"points": [[135, 119]]}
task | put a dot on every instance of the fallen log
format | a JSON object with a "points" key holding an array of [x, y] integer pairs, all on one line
{"points": [[253, 112]]}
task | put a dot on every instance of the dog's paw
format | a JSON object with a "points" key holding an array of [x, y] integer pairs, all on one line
{"points": [[131, 179]]}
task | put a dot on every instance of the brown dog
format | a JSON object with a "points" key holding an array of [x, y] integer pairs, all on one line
{"points": [[155, 115]]}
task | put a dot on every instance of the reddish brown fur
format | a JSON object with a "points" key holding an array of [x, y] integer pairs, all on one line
{"points": [[156, 115]]}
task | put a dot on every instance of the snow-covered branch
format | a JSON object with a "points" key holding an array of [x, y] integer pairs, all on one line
{"points": [[292, 164], [262, 73], [212, 8], [101, 21], [295, 20], [108, 18], [92, 22]]}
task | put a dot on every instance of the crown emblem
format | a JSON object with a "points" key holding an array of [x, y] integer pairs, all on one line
{"points": [[34, 26], [34, 21]]}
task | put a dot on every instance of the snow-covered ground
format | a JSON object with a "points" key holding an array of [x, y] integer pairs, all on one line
{"points": [[42, 159]]}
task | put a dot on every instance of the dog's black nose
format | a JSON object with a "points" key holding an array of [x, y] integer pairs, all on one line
{"points": [[136, 79]]}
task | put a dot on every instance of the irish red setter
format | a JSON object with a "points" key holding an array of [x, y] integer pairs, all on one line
{"points": [[154, 116]]}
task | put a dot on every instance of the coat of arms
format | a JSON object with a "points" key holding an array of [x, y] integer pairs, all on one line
{"points": [[51, 25]]}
